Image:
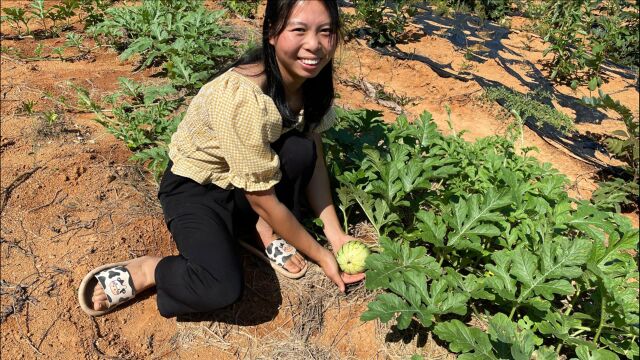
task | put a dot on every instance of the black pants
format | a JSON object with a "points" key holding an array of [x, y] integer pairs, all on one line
{"points": [[204, 221]]}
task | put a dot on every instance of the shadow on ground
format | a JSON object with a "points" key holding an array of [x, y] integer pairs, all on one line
{"points": [[483, 41], [260, 301]]}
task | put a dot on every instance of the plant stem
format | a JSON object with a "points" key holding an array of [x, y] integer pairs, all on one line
{"points": [[573, 302], [513, 311], [602, 315]]}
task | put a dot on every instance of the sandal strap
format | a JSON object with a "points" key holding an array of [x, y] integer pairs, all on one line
{"points": [[117, 284], [279, 251]]}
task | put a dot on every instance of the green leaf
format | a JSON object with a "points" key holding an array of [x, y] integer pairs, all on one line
{"points": [[398, 261], [431, 228], [470, 220], [584, 353], [593, 83], [386, 306], [502, 329], [469, 340]]}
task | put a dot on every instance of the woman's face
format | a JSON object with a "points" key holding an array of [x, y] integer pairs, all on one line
{"points": [[306, 45]]}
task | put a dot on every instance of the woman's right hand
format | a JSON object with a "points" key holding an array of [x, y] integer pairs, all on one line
{"points": [[330, 267]]}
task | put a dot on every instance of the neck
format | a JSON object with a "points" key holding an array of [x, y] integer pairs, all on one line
{"points": [[292, 87]]}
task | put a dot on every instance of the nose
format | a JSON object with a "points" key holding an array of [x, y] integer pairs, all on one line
{"points": [[312, 42]]}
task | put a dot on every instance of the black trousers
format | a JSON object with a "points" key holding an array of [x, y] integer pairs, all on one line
{"points": [[205, 221]]}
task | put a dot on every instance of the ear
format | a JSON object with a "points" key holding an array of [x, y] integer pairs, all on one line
{"points": [[272, 40]]}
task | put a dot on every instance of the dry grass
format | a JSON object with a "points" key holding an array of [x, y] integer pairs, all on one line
{"points": [[295, 330]]}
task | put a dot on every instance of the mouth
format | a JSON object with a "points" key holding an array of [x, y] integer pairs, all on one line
{"points": [[309, 62]]}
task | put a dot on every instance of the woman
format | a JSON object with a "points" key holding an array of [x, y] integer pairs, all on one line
{"points": [[248, 150]]}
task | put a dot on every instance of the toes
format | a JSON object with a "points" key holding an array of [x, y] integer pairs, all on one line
{"points": [[300, 261], [100, 305], [99, 298], [295, 264], [291, 266]]}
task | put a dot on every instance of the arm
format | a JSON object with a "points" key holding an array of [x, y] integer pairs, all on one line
{"points": [[319, 196], [268, 207], [277, 215]]}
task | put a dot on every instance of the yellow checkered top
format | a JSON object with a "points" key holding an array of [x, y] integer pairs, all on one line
{"points": [[226, 134]]}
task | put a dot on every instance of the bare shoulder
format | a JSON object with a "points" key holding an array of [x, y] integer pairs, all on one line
{"points": [[253, 72]]}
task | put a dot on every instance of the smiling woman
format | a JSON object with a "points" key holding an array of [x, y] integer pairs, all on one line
{"points": [[246, 154], [306, 45]]}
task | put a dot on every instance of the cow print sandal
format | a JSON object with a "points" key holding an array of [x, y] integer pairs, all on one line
{"points": [[277, 254], [116, 281]]}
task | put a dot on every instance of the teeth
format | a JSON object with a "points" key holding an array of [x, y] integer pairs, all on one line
{"points": [[309, 62]]}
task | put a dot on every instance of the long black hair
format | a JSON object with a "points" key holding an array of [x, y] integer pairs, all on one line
{"points": [[318, 92]]}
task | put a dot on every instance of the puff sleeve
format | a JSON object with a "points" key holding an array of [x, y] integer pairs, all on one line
{"points": [[246, 126]]}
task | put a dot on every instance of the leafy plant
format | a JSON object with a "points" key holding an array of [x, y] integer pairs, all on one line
{"points": [[531, 108], [17, 17], [624, 145], [144, 117], [182, 36], [50, 117], [386, 21], [616, 194], [467, 226], [245, 8], [605, 29], [28, 107]]}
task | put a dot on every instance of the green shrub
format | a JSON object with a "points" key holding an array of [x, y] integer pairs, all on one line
{"points": [[473, 230], [144, 117], [583, 34], [385, 21], [244, 8], [185, 38], [529, 107]]}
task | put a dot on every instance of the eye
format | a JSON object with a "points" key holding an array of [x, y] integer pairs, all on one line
{"points": [[298, 29]]}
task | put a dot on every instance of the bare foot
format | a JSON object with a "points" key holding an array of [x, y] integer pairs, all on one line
{"points": [[296, 263], [142, 272]]}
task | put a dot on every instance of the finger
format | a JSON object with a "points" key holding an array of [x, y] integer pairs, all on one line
{"points": [[352, 278], [337, 279]]}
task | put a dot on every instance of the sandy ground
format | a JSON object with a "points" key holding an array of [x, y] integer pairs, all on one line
{"points": [[71, 200]]}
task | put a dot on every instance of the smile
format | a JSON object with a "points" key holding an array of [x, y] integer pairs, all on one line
{"points": [[310, 61]]}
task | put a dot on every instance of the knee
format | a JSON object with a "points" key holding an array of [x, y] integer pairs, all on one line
{"points": [[297, 156], [217, 292]]}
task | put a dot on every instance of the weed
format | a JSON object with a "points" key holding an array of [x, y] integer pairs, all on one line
{"points": [[50, 117], [244, 8], [530, 107], [27, 107], [402, 100], [465, 66]]}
